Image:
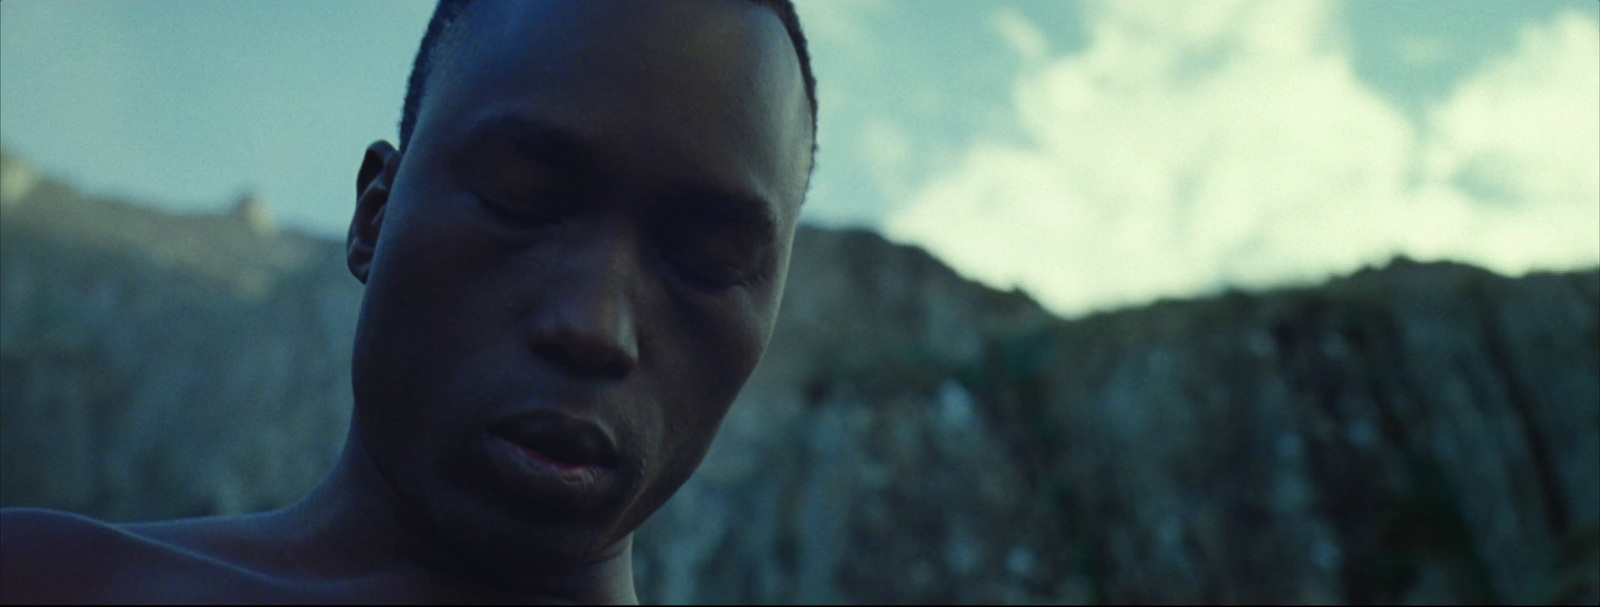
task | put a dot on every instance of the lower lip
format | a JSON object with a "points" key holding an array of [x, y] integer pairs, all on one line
{"points": [[539, 459], [559, 485]]}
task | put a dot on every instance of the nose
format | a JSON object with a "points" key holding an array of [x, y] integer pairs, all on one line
{"points": [[585, 326]]}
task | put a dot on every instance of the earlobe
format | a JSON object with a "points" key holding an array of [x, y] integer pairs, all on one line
{"points": [[373, 182]]}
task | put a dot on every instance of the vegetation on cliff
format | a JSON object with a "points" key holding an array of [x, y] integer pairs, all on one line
{"points": [[1420, 432]]}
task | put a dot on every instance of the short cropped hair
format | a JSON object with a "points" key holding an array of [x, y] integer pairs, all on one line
{"points": [[447, 11]]}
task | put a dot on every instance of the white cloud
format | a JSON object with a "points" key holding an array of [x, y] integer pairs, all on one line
{"points": [[1523, 136], [1196, 145], [887, 151], [1021, 36]]}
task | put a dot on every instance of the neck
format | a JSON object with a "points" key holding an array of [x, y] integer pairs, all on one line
{"points": [[356, 527]]}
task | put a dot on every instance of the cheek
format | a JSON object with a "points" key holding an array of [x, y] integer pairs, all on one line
{"points": [[704, 365], [424, 315], [712, 352]]}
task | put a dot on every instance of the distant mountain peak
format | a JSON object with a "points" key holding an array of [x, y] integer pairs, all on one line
{"points": [[250, 211], [17, 179]]}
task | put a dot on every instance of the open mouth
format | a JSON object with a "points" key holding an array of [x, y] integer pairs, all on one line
{"points": [[558, 440], [557, 462]]}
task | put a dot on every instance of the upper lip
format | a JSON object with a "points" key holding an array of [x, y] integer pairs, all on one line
{"points": [[561, 436]]}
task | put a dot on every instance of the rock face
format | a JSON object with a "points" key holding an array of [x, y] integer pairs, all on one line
{"points": [[1419, 433]]}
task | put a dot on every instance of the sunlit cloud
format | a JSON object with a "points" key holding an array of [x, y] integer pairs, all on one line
{"points": [[887, 151], [1522, 138], [1194, 146], [1019, 35]]}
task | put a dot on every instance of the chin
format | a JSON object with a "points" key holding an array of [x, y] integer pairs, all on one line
{"points": [[509, 532], [523, 546], [486, 540]]}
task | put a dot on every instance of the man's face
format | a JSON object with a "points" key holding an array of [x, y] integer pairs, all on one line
{"points": [[578, 265]]}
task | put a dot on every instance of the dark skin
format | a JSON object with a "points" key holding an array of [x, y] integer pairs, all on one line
{"points": [[570, 273]]}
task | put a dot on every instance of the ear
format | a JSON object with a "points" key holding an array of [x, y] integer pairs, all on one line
{"points": [[377, 174]]}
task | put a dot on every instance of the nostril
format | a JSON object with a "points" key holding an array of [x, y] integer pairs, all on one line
{"points": [[586, 357]]}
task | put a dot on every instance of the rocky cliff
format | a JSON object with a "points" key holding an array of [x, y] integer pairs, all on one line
{"points": [[1420, 432]]}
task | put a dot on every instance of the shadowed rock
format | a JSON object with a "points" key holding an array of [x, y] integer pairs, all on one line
{"points": [[1420, 432]]}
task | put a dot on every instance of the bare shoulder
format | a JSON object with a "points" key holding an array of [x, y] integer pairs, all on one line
{"points": [[49, 556]]}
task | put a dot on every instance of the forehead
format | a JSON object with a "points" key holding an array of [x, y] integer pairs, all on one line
{"points": [[708, 89]]}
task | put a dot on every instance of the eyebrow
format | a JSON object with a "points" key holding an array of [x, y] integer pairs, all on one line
{"points": [[569, 151], [535, 140], [721, 205]]}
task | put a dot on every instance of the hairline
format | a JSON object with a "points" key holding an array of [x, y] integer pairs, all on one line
{"points": [[448, 26]]}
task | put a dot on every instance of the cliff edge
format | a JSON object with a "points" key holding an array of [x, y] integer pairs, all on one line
{"points": [[1421, 432]]}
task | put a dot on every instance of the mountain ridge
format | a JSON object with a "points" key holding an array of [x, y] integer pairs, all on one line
{"points": [[1418, 432]]}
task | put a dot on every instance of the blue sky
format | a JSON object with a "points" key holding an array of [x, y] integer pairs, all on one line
{"points": [[1094, 154]]}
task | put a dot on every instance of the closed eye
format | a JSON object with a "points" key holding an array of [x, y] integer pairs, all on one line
{"points": [[526, 216], [712, 257], [707, 277]]}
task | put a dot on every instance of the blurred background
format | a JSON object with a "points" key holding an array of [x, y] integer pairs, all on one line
{"points": [[1105, 301]]}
